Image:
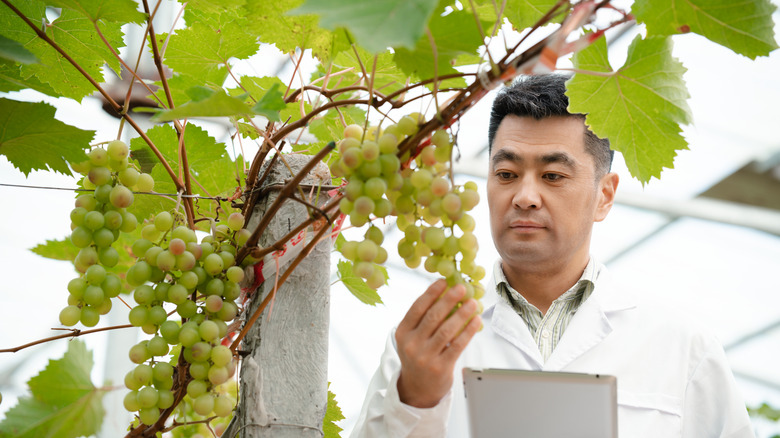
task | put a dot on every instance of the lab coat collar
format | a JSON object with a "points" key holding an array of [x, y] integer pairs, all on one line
{"points": [[589, 326]]}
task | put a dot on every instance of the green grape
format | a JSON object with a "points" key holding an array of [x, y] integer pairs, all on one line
{"points": [[145, 183], [221, 355], [166, 399], [223, 406], [189, 279], [213, 264], [433, 238], [117, 150], [138, 316], [364, 206], [186, 261], [367, 250], [112, 220], [77, 215], [149, 416], [440, 138], [213, 303], [354, 189], [130, 402], [348, 143], [143, 374], [86, 201], [103, 237], [188, 336], [375, 187], [99, 175], [364, 269], [202, 350], [184, 234], [204, 404], [427, 157], [218, 375], [117, 165], [469, 198], [228, 311], [187, 309], [163, 221], [375, 235], [144, 294], [382, 207], [70, 315], [165, 260], [407, 125], [208, 330], [89, 316], [129, 222], [147, 397], [370, 150], [93, 295], [169, 330], [76, 286], [103, 193], [440, 186], [98, 157], [128, 177], [353, 131], [235, 221], [235, 274], [388, 143], [157, 346], [376, 279], [157, 315], [150, 232], [94, 220]]}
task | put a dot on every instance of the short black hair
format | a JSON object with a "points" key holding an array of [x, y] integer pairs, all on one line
{"points": [[542, 96]]}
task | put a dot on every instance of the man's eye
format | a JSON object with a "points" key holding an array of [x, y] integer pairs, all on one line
{"points": [[504, 175], [553, 177]]}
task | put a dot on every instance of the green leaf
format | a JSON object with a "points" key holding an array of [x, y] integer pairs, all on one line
{"points": [[57, 250], [639, 108], [290, 32], [525, 13], [376, 25], [209, 43], [122, 11], [330, 127], [219, 104], [357, 285], [453, 34], [13, 51], [31, 138], [270, 104], [212, 171], [385, 74], [180, 84], [746, 27], [76, 35], [333, 415], [256, 89], [64, 402]]}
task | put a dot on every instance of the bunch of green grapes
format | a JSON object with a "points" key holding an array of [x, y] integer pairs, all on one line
{"points": [[96, 221], [431, 211], [199, 280]]}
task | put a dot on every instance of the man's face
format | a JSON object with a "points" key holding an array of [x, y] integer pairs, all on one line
{"points": [[543, 194]]}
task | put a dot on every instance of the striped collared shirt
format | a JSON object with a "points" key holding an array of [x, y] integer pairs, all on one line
{"points": [[547, 329]]}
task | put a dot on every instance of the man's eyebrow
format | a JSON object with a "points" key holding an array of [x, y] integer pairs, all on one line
{"points": [[558, 157], [505, 155]]}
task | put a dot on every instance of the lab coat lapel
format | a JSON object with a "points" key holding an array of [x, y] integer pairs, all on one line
{"points": [[591, 324], [510, 326]]}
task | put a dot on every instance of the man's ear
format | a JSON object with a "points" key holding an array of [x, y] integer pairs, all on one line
{"points": [[606, 196]]}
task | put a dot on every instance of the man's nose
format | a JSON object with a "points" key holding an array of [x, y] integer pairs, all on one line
{"points": [[527, 196]]}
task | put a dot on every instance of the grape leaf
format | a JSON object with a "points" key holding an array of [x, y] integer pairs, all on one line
{"points": [[333, 414], [209, 42], [270, 104], [64, 402], [57, 250], [453, 34], [255, 88], [13, 51], [288, 32], [746, 27], [375, 25], [31, 138], [76, 35], [123, 11], [212, 170], [330, 127], [218, 104], [357, 285], [385, 74], [639, 107], [525, 13], [179, 84]]}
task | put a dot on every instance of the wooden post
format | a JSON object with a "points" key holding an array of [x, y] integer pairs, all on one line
{"points": [[284, 377]]}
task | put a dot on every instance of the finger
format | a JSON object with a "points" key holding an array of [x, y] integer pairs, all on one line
{"points": [[440, 310], [424, 302], [448, 330], [461, 341]]}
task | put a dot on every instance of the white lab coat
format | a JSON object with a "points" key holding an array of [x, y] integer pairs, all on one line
{"points": [[673, 377]]}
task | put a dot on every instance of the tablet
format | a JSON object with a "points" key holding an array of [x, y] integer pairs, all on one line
{"points": [[540, 404]]}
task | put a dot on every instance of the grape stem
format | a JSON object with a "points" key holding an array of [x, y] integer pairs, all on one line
{"points": [[73, 333]]}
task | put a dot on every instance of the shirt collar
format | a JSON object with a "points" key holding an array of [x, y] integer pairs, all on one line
{"points": [[581, 290]]}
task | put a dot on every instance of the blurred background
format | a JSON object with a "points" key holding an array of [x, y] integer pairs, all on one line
{"points": [[705, 237]]}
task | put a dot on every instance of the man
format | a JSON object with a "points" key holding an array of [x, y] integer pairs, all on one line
{"points": [[555, 308]]}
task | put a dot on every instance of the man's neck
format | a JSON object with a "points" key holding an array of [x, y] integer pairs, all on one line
{"points": [[542, 287]]}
